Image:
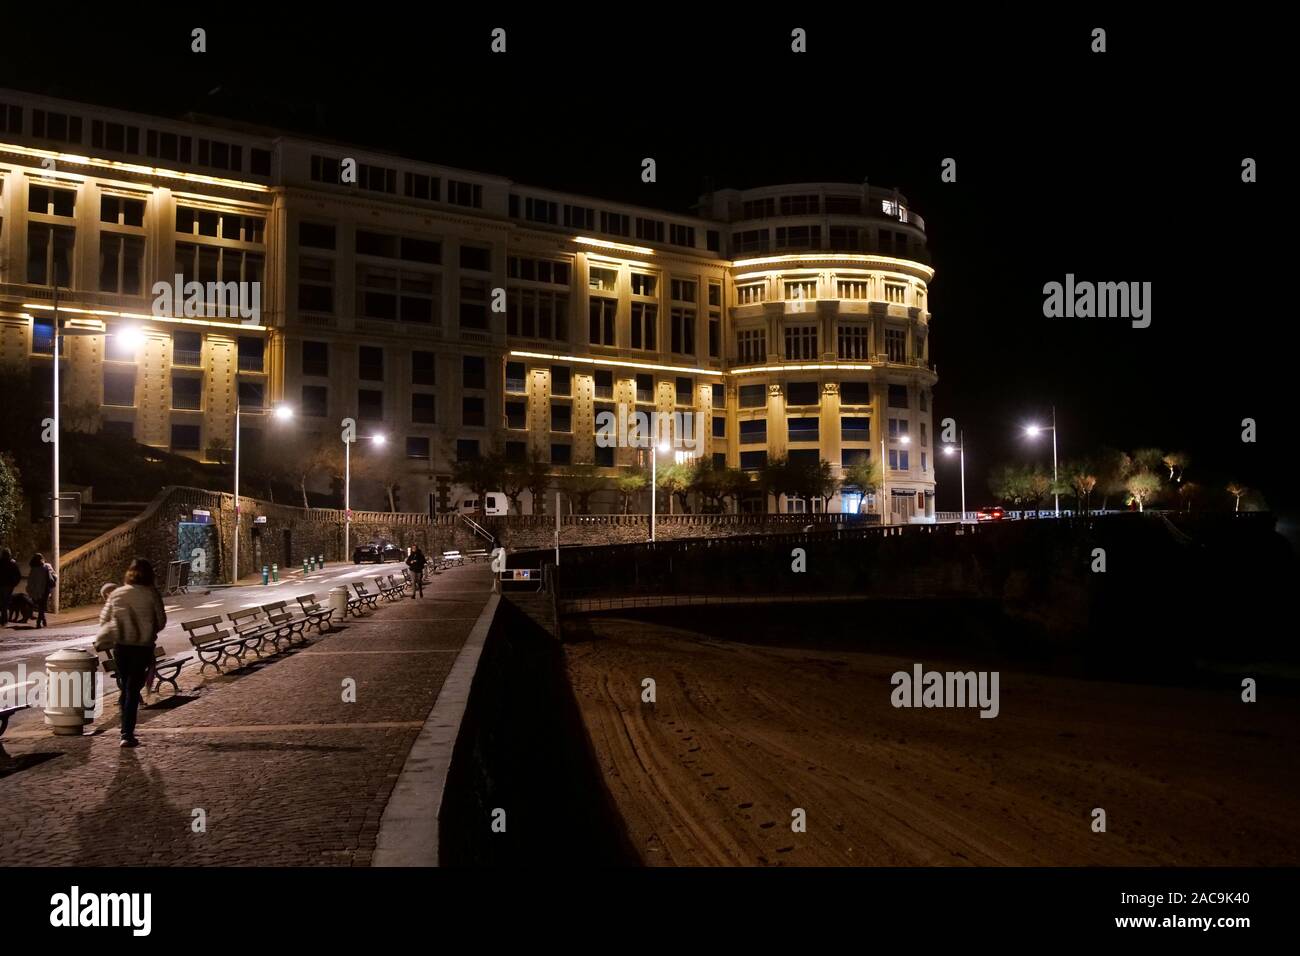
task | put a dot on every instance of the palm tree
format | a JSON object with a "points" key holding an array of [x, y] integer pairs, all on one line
{"points": [[1238, 491], [1143, 486], [1175, 461]]}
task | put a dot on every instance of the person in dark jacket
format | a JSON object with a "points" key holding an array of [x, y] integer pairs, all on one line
{"points": [[40, 586], [416, 563], [138, 608], [10, 575]]}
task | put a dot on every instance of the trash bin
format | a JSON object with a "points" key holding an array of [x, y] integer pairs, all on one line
{"points": [[339, 602], [69, 691]]}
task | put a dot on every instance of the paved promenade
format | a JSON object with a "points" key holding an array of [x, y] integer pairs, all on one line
{"points": [[282, 768]]}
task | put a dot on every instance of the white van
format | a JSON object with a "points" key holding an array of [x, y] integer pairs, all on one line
{"points": [[495, 503]]}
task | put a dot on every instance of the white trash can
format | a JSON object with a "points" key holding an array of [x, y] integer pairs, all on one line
{"points": [[339, 602], [70, 691]]}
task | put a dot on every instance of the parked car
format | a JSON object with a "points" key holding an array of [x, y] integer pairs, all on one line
{"points": [[366, 552], [493, 503], [991, 513], [391, 552]]}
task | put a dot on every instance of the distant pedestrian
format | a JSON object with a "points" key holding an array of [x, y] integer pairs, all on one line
{"points": [[10, 576], [41, 580], [138, 609], [416, 563]]}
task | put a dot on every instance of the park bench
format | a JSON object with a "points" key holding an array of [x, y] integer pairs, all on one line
{"points": [[7, 712], [387, 589], [369, 600], [476, 556], [317, 616], [278, 613], [402, 585], [165, 669], [452, 558], [212, 644], [250, 624]]}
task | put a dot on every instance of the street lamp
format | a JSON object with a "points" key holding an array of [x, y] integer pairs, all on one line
{"points": [[655, 450], [1032, 431], [378, 439], [279, 413], [960, 448]]}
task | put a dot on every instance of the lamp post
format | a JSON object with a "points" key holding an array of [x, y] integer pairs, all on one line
{"points": [[1032, 431], [961, 451], [378, 439], [281, 413], [654, 480]]}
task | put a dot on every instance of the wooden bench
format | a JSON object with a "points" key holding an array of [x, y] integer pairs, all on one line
{"points": [[213, 645], [317, 616], [388, 590], [476, 556], [369, 600], [251, 625], [452, 558], [278, 613], [165, 669]]}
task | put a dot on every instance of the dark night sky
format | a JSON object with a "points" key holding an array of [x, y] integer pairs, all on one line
{"points": [[1116, 167]]}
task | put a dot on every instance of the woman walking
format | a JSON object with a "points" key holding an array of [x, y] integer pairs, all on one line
{"points": [[416, 563], [137, 608], [40, 585]]}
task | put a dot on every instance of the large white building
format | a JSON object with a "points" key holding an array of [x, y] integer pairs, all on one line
{"points": [[794, 318]]}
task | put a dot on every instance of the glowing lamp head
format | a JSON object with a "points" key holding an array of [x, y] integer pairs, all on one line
{"points": [[664, 448], [948, 449], [905, 439], [379, 439], [1032, 431], [283, 413], [129, 339]]}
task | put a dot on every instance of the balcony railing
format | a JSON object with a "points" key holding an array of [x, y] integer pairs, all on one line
{"points": [[187, 357]]}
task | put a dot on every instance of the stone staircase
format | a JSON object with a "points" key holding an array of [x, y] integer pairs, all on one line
{"points": [[96, 519]]}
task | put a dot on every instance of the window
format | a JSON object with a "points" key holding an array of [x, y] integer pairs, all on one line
{"points": [[753, 396], [517, 415], [579, 217], [370, 404], [220, 155], [798, 237], [51, 202], [854, 342], [925, 433], [615, 223], [538, 270], [466, 449], [423, 368], [561, 454], [187, 392], [465, 194], [753, 432], [651, 230], [317, 235], [751, 346], [476, 257], [48, 124], [161, 145], [125, 430], [753, 460], [378, 179], [682, 327], [603, 383], [252, 395], [185, 438], [758, 208], [420, 186], [604, 456], [516, 377], [424, 410], [324, 170], [898, 396], [713, 240], [719, 396], [259, 161], [719, 426], [250, 354], [751, 293], [801, 393], [852, 457], [473, 304], [121, 263], [315, 401], [117, 211], [187, 349], [800, 205], [397, 294], [750, 240], [561, 381], [855, 429], [315, 358], [541, 210], [895, 345], [473, 370], [645, 316], [643, 284], [897, 429], [719, 460], [846, 238], [898, 459], [516, 451], [417, 447], [808, 457], [645, 388], [923, 401], [370, 363], [800, 342], [537, 313], [681, 235], [895, 292], [119, 387], [561, 417], [315, 285], [209, 263], [855, 393], [11, 118], [685, 389], [925, 462], [802, 429], [602, 280]]}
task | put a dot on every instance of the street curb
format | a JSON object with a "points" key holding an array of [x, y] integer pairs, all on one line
{"points": [[408, 830]]}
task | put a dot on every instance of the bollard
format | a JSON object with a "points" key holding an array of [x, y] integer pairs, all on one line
{"points": [[320, 561], [311, 561], [69, 691], [266, 575], [275, 572], [339, 602], [304, 565]]}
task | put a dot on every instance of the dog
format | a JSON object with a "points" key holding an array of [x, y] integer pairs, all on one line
{"points": [[21, 608]]}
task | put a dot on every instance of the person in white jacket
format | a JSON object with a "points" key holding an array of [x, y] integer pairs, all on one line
{"points": [[138, 609]]}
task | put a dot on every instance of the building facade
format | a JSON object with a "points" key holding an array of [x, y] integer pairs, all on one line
{"points": [[457, 313]]}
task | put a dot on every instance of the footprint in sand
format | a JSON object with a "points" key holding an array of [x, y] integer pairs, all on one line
{"points": [[744, 806]]}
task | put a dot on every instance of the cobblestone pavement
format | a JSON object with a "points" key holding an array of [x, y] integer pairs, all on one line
{"points": [[285, 772]]}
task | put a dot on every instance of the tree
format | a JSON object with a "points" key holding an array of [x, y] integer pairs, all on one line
{"points": [[539, 478], [676, 480], [1148, 459], [1082, 484], [865, 475], [1010, 483], [1188, 490], [629, 483], [1039, 485], [1176, 462], [480, 474], [1113, 468], [307, 454], [11, 496], [1238, 491], [514, 481], [82, 417], [581, 482], [1142, 486], [813, 479], [218, 450]]}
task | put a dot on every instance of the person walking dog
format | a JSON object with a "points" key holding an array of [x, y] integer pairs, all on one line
{"points": [[416, 563], [130, 621]]}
